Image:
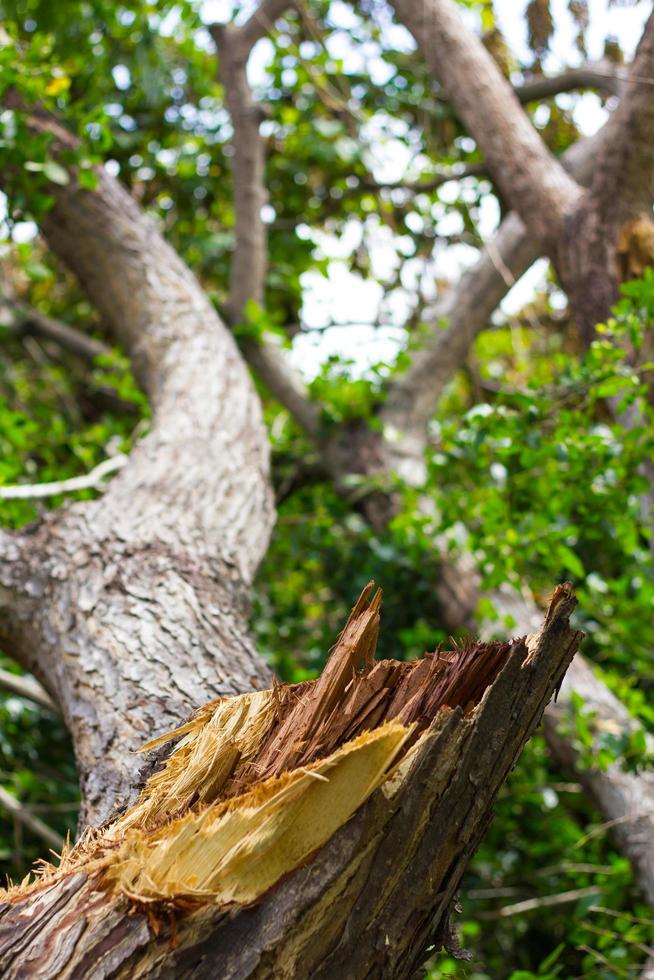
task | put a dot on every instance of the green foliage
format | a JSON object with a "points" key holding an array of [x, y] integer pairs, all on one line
{"points": [[550, 487], [545, 841], [54, 424], [601, 747], [37, 767]]}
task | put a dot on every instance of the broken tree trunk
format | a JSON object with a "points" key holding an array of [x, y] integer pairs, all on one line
{"points": [[294, 829]]}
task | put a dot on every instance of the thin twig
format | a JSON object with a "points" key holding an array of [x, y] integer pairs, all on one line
{"points": [[625, 818], [90, 481], [426, 185], [27, 319], [262, 21], [71, 806], [26, 688], [499, 892], [601, 75], [601, 910], [566, 866], [647, 950], [22, 814], [545, 901], [602, 959]]}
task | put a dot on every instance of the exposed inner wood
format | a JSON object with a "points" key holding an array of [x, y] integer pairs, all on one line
{"points": [[234, 744], [258, 782], [298, 828], [225, 817]]}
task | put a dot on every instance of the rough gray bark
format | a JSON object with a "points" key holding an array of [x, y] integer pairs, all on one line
{"points": [[374, 898], [458, 318], [247, 277], [528, 175], [610, 235], [131, 609]]}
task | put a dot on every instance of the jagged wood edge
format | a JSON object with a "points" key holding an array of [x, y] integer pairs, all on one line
{"points": [[376, 896]]}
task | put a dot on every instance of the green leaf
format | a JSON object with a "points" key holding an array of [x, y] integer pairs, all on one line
{"points": [[570, 561], [56, 173], [88, 179]]}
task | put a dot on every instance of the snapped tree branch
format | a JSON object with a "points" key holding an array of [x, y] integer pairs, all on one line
{"points": [[333, 819]]}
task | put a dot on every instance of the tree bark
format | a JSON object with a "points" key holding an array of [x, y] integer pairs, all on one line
{"points": [[459, 317], [590, 237], [610, 236], [247, 275], [412, 396], [375, 897], [530, 178], [605, 76], [131, 609]]}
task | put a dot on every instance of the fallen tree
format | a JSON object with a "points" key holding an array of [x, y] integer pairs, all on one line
{"points": [[299, 827]]}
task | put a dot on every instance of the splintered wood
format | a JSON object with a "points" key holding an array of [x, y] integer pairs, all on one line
{"points": [[256, 784], [355, 694]]}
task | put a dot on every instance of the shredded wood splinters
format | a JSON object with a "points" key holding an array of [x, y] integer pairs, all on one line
{"points": [[258, 783]]}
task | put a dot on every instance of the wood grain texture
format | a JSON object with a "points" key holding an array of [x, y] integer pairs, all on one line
{"points": [[374, 897]]}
